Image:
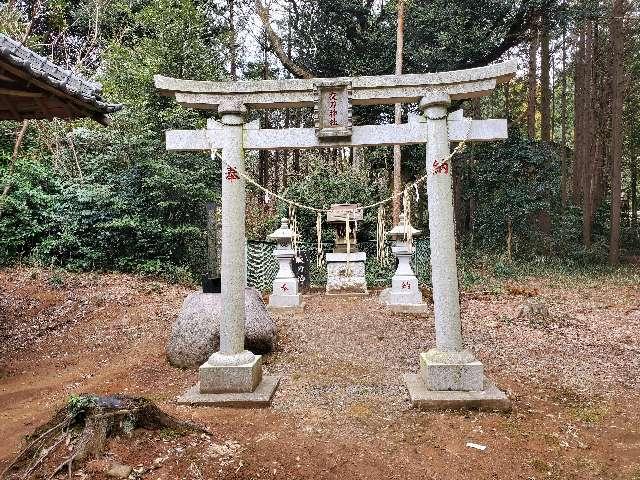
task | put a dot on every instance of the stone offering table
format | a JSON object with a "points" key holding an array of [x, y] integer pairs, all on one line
{"points": [[345, 265], [345, 273], [404, 296]]}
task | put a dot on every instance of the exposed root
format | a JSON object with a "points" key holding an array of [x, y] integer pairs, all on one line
{"points": [[79, 432]]}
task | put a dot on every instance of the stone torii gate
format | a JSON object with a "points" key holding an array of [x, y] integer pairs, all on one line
{"points": [[450, 376]]}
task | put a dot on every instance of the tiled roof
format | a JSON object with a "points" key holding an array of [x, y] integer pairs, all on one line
{"points": [[73, 85]]}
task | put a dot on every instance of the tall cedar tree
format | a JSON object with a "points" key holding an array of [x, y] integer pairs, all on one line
{"points": [[617, 86], [397, 151]]}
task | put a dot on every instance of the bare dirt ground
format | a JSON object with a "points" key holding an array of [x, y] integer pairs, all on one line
{"points": [[341, 410]]}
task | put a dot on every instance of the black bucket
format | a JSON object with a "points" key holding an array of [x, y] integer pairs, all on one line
{"points": [[210, 284]]}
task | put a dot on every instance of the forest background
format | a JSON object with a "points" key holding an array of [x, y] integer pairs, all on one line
{"points": [[562, 189]]}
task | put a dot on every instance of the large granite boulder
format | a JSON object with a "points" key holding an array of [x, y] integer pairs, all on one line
{"points": [[196, 332]]}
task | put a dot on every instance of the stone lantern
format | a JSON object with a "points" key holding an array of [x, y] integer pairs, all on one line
{"points": [[404, 294], [285, 296]]}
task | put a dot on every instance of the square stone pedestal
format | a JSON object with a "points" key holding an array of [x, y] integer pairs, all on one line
{"points": [[405, 289], [232, 386], [261, 397], [453, 380], [297, 310], [441, 371], [408, 308], [230, 378]]}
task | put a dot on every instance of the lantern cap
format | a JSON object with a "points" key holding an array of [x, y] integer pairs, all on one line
{"points": [[282, 233], [403, 228]]}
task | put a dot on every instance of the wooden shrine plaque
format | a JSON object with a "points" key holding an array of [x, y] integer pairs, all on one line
{"points": [[338, 212], [332, 111]]}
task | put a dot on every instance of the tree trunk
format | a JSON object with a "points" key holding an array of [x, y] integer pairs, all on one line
{"points": [[617, 37], [233, 49], [296, 152], [397, 152], [563, 122], [599, 128], [578, 124], [284, 156], [286, 153], [507, 101], [554, 100], [357, 156], [588, 149], [473, 206], [634, 194], [476, 113], [276, 172], [287, 113], [12, 164], [509, 239], [276, 44], [545, 88], [458, 204], [263, 155], [532, 81]]}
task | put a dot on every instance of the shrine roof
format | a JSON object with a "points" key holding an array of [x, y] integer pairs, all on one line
{"points": [[33, 87]]}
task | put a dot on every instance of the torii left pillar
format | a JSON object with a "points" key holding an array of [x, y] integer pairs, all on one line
{"points": [[232, 376]]}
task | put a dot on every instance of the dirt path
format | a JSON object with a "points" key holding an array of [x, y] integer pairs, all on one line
{"points": [[341, 410]]}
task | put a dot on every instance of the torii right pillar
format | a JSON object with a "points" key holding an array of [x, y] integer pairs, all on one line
{"points": [[450, 377]]}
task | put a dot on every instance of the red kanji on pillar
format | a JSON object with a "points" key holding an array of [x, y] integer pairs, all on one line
{"points": [[284, 287], [440, 167], [231, 174], [406, 286]]}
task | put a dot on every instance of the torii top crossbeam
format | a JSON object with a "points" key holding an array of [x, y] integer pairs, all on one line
{"points": [[368, 90], [337, 131]]}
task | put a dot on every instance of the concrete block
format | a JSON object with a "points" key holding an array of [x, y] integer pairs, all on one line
{"points": [[405, 298], [490, 398], [457, 372], [405, 284], [230, 378], [339, 293], [293, 310], [261, 397], [408, 308], [340, 257], [276, 300]]}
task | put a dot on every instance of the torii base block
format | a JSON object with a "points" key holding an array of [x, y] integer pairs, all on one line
{"points": [[455, 381], [232, 386], [490, 398], [259, 398]]}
